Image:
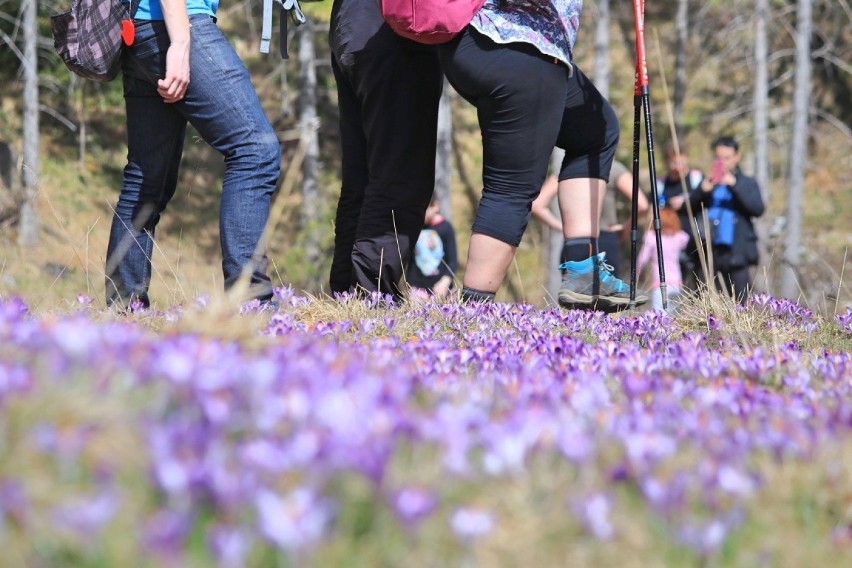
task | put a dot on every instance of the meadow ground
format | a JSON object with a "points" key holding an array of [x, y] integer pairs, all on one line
{"points": [[356, 433]]}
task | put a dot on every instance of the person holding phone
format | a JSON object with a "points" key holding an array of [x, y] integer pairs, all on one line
{"points": [[730, 200]]}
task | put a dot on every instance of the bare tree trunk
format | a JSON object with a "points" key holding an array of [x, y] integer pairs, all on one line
{"points": [[798, 150], [28, 223], [553, 248], [308, 128], [682, 31], [761, 133], [601, 76], [761, 99], [444, 153]]}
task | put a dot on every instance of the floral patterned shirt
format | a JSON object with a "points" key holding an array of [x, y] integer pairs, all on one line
{"points": [[549, 25]]}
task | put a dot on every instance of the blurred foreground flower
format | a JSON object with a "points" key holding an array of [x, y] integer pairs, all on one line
{"points": [[294, 522], [413, 504], [471, 524]]}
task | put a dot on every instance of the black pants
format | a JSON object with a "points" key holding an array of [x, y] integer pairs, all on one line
{"points": [[737, 281], [388, 91], [589, 131], [519, 96]]}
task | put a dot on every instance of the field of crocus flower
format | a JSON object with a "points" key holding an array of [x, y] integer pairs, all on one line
{"points": [[355, 433]]}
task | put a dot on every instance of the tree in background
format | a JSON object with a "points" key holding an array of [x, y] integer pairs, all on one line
{"points": [[760, 110], [444, 151], [28, 220], [681, 37], [761, 98], [798, 150], [308, 125], [601, 69]]}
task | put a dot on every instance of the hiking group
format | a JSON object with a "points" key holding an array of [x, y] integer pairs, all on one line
{"points": [[513, 63]]}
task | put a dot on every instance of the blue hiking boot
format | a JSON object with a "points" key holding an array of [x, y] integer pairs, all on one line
{"points": [[590, 284]]}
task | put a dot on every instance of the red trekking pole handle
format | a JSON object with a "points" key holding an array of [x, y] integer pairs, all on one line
{"points": [[641, 63]]}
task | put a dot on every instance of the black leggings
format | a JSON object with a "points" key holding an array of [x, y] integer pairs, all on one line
{"points": [[518, 95], [527, 104], [589, 131]]}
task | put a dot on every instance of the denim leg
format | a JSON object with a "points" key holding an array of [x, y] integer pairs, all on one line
{"points": [[222, 105], [155, 134]]}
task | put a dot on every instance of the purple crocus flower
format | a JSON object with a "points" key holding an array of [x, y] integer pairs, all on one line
{"points": [[14, 503], [594, 512], [294, 522], [88, 515], [165, 532], [230, 545], [413, 504], [471, 524]]}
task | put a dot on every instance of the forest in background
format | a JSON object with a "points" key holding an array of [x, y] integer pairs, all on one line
{"points": [[703, 59]]}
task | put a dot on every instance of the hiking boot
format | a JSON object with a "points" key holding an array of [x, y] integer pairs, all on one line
{"points": [[590, 284]]}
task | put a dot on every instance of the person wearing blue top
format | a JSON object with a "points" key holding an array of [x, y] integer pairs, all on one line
{"points": [[731, 201], [181, 68], [514, 64]]}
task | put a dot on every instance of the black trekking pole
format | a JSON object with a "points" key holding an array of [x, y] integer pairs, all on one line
{"points": [[642, 100]]}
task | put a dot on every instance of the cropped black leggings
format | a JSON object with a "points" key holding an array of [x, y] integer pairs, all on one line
{"points": [[518, 95], [526, 104]]}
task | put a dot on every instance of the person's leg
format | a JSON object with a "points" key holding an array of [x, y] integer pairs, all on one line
{"points": [[222, 105], [589, 134], [155, 134], [580, 201], [518, 95], [398, 84], [740, 282], [354, 178]]}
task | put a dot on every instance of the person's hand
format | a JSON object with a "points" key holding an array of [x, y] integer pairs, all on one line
{"points": [[728, 179], [173, 87], [442, 287], [676, 202]]}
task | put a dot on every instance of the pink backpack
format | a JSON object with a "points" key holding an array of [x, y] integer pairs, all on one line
{"points": [[429, 21]]}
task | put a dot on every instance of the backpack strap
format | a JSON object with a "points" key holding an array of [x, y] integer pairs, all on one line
{"points": [[290, 7], [266, 27]]}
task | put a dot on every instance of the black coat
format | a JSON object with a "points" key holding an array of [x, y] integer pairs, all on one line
{"points": [[747, 205]]}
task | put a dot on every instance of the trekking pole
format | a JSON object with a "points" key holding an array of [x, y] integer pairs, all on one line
{"points": [[642, 101]]}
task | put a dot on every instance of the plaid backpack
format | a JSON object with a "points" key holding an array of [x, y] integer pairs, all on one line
{"points": [[89, 37]]}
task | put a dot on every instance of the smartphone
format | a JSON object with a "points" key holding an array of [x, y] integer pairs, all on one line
{"points": [[718, 171]]}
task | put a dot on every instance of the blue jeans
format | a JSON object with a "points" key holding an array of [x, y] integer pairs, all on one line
{"points": [[222, 106]]}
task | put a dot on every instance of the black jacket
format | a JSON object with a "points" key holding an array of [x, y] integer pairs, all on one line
{"points": [[747, 205]]}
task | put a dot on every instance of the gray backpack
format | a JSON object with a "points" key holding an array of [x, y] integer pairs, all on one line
{"points": [[88, 37]]}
